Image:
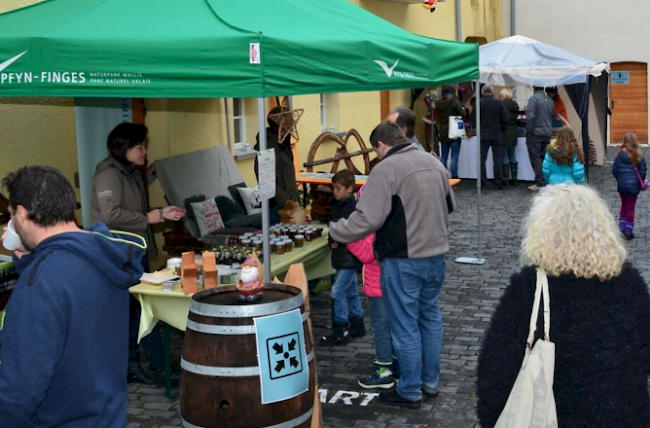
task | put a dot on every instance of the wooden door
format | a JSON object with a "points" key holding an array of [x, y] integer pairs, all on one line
{"points": [[629, 101]]}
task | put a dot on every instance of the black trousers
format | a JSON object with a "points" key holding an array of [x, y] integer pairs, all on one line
{"points": [[497, 158], [536, 152]]}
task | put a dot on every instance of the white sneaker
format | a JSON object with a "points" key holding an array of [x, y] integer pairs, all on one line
{"points": [[534, 187]]}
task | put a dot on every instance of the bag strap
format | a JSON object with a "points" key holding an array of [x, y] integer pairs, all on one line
{"points": [[638, 175], [540, 288]]}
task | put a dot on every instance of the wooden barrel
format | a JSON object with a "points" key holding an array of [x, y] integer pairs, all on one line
{"points": [[220, 377]]}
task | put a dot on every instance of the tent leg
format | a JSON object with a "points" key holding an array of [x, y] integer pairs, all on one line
{"points": [[477, 260], [266, 219]]}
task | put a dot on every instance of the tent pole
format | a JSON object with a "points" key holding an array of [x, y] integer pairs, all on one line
{"points": [[477, 105], [266, 219]]}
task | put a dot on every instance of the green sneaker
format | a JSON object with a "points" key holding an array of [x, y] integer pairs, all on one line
{"points": [[381, 377]]}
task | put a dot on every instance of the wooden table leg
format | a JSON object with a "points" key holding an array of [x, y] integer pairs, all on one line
{"points": [[168, 362]]}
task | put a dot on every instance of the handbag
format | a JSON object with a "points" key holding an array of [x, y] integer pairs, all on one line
{"points": [[456, 128], [531, 403], [643, 183]]}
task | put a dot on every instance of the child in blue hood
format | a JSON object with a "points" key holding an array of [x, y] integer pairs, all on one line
{"points": [[63, 355]]}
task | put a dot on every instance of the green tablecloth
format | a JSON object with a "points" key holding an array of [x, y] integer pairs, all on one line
{"points": [[173, 307]]}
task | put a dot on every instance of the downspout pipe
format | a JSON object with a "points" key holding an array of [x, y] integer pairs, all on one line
{"points": [[513, 17], [459, 23]]}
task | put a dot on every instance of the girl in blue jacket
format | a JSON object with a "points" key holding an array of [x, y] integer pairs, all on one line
{"points": [[629, 169], [564, 161]]}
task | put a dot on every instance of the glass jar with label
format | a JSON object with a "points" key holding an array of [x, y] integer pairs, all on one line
{"points": [[300, 241]]}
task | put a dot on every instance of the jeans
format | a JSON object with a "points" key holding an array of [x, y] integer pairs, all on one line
{"points": [[497, 153], [346, 296], [536, 152], [628, 203], [411, 288], [509, 156], [380, 329], [454, 145]]}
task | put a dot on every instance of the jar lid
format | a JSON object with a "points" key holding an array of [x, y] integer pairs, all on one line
{"points": [[300, 236]]}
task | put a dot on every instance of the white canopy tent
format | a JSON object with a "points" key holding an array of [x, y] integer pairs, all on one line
{"points": [[519, 60]]}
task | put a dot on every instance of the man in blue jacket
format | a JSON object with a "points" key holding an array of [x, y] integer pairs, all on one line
{"points": [[64, 344]]}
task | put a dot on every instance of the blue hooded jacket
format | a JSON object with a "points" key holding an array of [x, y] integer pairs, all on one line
{"points": [[556, 174], [627, 181], [64, 343]]}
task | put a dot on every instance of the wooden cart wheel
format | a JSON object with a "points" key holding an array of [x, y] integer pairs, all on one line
{"points": [[342, 153]]}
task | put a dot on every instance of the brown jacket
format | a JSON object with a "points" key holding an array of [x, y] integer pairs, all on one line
{"points": [[119, 199]]}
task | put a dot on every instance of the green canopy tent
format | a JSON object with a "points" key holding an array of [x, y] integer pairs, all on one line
{"points": [[217, 48]]}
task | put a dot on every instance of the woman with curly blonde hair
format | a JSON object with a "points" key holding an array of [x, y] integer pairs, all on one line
{"points": [[600, 316]]}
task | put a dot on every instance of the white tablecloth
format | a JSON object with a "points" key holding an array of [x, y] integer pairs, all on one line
{"points": [[467, 160]]}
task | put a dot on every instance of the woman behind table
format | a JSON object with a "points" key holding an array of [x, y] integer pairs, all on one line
{"points": [[119, 200], [510, 138], [600, 316], [448, 105]]}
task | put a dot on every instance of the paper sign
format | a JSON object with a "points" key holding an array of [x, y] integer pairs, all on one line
{"points": [[266, 168], [255, 53], [621, 77], [281, 355]]}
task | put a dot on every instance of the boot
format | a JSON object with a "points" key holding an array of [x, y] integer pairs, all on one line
{"points": [[621, 225], [340, 335], [381, 377], [629, 228], [513, 174], [357, 327], [506, 171]]}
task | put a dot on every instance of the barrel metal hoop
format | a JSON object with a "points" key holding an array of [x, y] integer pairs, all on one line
{"points": [[226, 371], [288, 424], [227, 330], [244, 311]]}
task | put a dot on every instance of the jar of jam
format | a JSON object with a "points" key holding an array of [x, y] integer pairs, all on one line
{"points": [[309, 235], [300, 241], [319, 232], [288, 245], [280, 248]]}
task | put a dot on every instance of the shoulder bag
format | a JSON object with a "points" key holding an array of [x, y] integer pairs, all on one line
{"points": [[643, 183], [531, 403]]}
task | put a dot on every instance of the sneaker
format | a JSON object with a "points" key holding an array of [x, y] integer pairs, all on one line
{"points": [[381, 377], [392, 398], [534, 187]]}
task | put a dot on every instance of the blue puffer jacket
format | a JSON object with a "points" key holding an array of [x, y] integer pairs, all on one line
{"points": [[556, 174], [626, 178]]}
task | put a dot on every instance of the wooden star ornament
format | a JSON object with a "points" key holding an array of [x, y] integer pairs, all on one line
{"points": [[287, 120]]}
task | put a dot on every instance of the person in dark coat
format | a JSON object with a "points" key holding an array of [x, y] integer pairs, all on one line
{"points": [[448, 105], [286, 187], [494, 119], [600, 317], [630, 170], [510, 138]]}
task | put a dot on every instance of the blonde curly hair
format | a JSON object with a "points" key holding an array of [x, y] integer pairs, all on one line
{"points": [[569, 229]]}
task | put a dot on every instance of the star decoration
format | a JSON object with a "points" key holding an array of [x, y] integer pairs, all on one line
{"points": [[287, 120]]}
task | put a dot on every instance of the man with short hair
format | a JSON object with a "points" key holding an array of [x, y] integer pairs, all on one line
{"points": [[540, 111], [406, 202], [63, 355], [494, 120], [405, 119]]}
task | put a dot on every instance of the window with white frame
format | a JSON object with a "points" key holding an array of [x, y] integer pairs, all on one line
{"points": [[238, 119], [323, 112]]}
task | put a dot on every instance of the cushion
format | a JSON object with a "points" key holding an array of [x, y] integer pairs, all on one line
{"points": [[252, 199], [208, 218], [235, 193]]}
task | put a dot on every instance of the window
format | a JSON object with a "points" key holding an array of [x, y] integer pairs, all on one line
{"points": [[238, 119], [323, 112]]}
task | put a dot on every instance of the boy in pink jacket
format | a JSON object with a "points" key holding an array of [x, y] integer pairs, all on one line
{"points": [[385, 364]]}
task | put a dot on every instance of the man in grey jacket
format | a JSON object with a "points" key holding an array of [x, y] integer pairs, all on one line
{"points": [[539, 116], [406, 202]]}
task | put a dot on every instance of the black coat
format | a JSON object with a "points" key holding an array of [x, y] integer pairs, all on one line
{"points": [[342, 258], [627, 181], [286, 187], [494, 118], [601, 331]]}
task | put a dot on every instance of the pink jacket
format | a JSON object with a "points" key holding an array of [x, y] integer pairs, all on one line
{"points": [[363, 251]]}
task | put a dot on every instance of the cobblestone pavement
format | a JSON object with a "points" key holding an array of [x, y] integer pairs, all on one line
{"points": [[468, 298]]}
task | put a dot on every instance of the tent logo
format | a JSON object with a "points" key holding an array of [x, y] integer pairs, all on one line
{"points": [[391, 72], [388, 70], [10, 61]]}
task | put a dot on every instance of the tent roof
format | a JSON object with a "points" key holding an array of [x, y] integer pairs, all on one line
{"points": [[518, 59], [202, 48]]}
